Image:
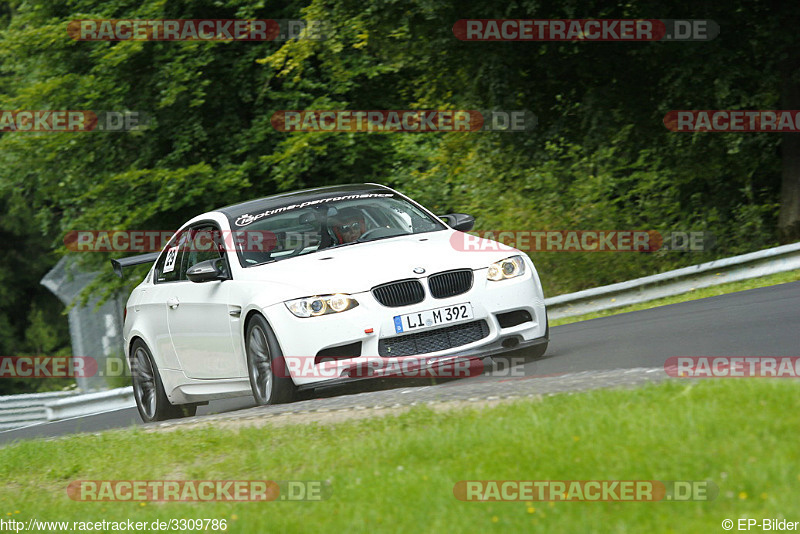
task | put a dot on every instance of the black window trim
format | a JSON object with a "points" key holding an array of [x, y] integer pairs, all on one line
{"points": [[204, 222]]}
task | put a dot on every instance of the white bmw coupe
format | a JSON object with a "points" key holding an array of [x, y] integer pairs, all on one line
{"points": [[295, 291]]}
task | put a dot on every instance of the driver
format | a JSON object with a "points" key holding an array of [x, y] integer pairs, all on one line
{"points": [[348, 225]]}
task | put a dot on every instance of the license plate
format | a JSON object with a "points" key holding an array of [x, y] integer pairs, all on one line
{"points": [[431, 318]]}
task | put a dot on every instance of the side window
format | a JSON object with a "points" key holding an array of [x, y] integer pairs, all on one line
{"points": [[204, 243], [169, 264]]}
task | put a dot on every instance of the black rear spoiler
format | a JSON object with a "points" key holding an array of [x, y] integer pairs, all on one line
{"points": [[141, 259]]}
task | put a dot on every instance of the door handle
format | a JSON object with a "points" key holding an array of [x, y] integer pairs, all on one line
{"points": [[173, 302]]}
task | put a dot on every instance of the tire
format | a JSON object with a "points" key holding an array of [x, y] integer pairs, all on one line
{"points": [[148, 390], [266, 367], [537, 351]]}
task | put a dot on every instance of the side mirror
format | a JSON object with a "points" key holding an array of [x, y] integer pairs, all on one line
{"points": [[208, 270], [459, 221]]}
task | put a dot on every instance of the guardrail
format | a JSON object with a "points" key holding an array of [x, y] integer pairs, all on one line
{"points": [[91, 403], [752, 265], [28, 409]]}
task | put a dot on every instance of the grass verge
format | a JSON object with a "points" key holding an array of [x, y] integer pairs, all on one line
{"points": [[713, 291], [397, 473]]}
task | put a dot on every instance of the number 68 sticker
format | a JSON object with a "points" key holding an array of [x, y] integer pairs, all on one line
{"points": [[169, 264]]}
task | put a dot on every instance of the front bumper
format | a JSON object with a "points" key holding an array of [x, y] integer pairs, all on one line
{"points": [[353, 371], [302, 339]]}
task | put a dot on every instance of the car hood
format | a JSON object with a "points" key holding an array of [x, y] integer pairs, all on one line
{"points": [[359, 267]]}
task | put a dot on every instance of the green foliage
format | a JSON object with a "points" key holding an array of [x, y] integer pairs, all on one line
{"points": [[600, 157]]}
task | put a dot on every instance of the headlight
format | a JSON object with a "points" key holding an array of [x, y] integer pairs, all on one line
{"points": [[314, 306], [507, 268]]}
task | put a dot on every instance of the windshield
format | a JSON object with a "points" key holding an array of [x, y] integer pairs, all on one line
{"points": [[291, 231]]}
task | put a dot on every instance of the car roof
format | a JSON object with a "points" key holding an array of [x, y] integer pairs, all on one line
{"points": [[304, 195]]}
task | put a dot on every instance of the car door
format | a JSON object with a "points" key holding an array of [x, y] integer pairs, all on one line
{"points": [[151, 304], [199, 315]]}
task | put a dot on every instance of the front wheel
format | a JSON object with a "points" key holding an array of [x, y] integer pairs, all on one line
{"points": [[148, 390], [537, 351], [269, 377]]}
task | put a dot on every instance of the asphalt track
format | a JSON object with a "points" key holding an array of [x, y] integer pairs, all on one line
{"points": [[758, 322]]}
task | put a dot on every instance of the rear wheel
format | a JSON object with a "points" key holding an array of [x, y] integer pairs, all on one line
{"points": [[148, 390], [269, 377]]}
